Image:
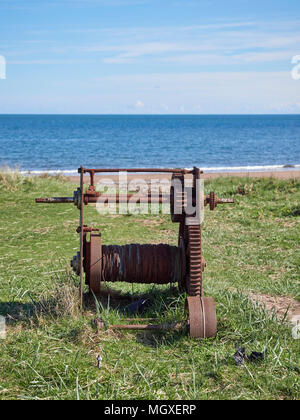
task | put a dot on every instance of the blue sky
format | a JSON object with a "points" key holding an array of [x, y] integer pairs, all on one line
{"points": [[149, 56]]}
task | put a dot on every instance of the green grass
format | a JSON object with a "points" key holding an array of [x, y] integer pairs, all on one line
{"points": [[50, 351]]}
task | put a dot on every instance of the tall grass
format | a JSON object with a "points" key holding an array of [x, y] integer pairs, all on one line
{"points": [[11, 179], [51, 347]]}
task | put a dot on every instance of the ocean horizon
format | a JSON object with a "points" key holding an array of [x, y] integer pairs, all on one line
{"points": [[57, 143]]}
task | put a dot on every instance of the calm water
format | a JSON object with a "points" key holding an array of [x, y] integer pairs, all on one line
{"points": [[58, 142]]}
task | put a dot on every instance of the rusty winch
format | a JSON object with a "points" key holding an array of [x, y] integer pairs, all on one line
{"points": [[150, 263]]}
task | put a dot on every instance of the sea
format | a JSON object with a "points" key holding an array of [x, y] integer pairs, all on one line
{"points": [[62, 143]]}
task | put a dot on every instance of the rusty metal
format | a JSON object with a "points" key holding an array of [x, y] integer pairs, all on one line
{"points": [[93, 197], [136, 170], [147, 263], [202, 317], [141, 263], [209, 311], [177, 199], [55, 200], [124, 198], [213, 200], [166, 326], [195, 261], [225, 201], [81, 233], [94, 263], [140, 319], [87, 229], [157, 327]]}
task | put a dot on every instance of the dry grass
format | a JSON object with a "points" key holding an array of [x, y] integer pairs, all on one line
{"points": [[50, 349], [10, 179], [62, 301], [58, 177]]}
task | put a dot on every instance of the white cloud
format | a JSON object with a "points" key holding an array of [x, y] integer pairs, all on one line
{"points": [[208, 92], [139, 104], [264, 56], [200, 81], [51, 62], [226, 43], [19, 4], [202, 46], [2, 67]]}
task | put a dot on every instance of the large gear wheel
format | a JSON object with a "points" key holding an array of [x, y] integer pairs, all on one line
{"points": [[195, 265]]}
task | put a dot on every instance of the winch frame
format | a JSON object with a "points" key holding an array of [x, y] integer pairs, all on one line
{"points": [[202, 320]]}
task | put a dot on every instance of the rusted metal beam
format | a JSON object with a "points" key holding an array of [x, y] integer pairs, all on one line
{"points": [[136, 170], [55, 200], [170, 326], [125, 198]]}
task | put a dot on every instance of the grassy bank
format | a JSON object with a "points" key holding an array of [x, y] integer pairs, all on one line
{"points": [[50, 350]]}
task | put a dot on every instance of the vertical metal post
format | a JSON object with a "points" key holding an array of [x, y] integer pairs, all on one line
{"points": [[81, 237]]}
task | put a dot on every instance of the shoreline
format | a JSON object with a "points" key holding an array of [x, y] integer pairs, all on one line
{"points": [[286, 175]]}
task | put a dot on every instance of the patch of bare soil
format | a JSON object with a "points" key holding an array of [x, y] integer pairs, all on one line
{"points": [[280, 304]]}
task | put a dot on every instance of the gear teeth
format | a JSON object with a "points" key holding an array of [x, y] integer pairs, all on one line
{"points": [[195, 274]]}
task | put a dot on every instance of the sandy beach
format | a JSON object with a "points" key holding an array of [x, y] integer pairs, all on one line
{"points": [[288, 174]]}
